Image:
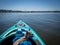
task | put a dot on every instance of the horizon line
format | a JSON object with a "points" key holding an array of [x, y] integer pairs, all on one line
{"points": [[28, 10]]}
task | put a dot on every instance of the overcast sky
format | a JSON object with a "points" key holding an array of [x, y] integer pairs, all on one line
{"points": [[30, 4]]}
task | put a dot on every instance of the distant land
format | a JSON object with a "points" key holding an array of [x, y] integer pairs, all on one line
{"points": [[16, 11]]}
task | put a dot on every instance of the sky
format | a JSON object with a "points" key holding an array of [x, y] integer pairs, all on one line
{"points": [[29, 5]]}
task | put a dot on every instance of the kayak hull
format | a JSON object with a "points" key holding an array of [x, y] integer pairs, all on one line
{"points": [[11, 32]]}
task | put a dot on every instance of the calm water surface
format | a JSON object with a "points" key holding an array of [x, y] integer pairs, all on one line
{"points": [[46, 25]]}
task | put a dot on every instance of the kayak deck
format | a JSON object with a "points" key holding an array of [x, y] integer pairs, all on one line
{"points": [[12, 31]]}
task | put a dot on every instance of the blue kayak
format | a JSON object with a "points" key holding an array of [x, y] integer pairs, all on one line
{"points": [[7, 37]]}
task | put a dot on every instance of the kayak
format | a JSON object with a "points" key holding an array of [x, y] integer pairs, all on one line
{"points": [[7, 36]]}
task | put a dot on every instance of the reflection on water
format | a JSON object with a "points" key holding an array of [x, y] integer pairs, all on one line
{"points": [[47, 25]]}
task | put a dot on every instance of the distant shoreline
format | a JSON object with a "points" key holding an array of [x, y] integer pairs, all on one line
{"points": [[16, 11]]}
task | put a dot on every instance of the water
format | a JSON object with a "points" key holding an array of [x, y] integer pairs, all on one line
{"points": [[46, 25]]}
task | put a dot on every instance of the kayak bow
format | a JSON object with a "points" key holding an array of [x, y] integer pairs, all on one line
{"points": [[12, 31]]}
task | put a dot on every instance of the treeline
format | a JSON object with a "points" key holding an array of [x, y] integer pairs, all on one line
{"points": [[4, 11], [9, 11]]}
